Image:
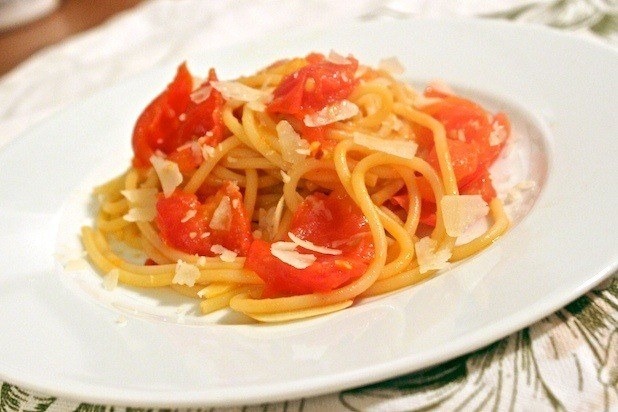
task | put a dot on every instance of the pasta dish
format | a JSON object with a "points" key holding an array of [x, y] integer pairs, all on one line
{"points": [[300, 189]]}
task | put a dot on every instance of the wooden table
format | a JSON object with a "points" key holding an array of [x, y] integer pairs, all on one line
{"points": [[73, 16]]}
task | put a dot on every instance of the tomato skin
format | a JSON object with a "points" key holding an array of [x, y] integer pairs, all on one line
{"points": [[464, 158], [325, 221], [314, 86], [171, 212], [480, 184], [173, 119]]}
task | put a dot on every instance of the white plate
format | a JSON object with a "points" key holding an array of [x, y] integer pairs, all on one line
{"points": [[60, 332]]}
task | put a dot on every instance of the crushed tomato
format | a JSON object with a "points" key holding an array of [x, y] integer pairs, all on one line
{"points": [[314, 221], [173, 119], [314, 86], [194, 235]]}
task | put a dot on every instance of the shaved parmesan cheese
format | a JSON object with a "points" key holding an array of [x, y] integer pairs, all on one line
{"points": [[338, 111], [314, 248], [169, 174], [281, 251], [201, 261], [225, 254], [192, 235], [285, 177], [392, 65], [237, 91], [515, 193], [284, 246], [185, 273], [141, 214], [460, 211], [421, 101], [428, 257], [278, 214], [304, 152], [110, 281], [291, 143], [405, 149], [204, 235], [208, 151], [75, 265], [336, 58], [269, 220], [222, 216], [188, 216], [441, 86], [141, 196], [498, 134], [200, 95]]}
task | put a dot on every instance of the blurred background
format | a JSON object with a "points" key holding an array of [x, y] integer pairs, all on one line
{"points": [[27, 26]]}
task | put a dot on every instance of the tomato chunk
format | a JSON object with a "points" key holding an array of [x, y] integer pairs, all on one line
{"points": [[173, 119], [464, 158], [333, 221], [187, 225], [314, 86]]}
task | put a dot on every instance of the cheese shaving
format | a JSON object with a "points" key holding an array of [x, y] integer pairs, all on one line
{"points": [[222, 216], [146, 196], [200, 95], [188, 216], [336, 58], [498, 134], [185, 273], [169, 174], [238, 91], [291, 143], [441, 86], [208, 151], [338, 111], [141, 214], [428, 257], [225, 254], [421, 101], [392, 65], [310, 246], [281, 251], [460, 211], [285, 177], [405, 149], [110, 281]]}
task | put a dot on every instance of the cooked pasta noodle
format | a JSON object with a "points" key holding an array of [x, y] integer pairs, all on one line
{"points": [[299, 190]]}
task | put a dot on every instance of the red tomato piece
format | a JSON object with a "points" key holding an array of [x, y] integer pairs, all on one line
{"points": [[172, 119], [332, 221], [464, 158], [466, 120], [480, 184], [314, 86], [193, 234]]}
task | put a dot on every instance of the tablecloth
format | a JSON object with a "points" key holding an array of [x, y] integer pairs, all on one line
{"points": [[566, 361]]}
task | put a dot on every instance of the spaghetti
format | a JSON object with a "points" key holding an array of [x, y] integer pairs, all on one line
{"points": [[295, 191]]}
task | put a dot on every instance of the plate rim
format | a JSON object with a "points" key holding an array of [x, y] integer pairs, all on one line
{"points": [[480, 337]]}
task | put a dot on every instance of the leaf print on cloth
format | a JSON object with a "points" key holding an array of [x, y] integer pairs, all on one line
{"points": [[13, 399], [577, 353], [597, 16], [498, 377], [567, 361]]}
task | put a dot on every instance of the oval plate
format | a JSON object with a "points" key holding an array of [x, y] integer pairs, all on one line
{"points": [[62, 335]]}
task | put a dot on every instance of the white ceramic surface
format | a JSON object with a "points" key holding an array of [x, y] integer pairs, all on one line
{"points": [[65, 335]]}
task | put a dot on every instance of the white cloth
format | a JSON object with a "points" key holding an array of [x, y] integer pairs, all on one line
{"points": [[169, 31]]}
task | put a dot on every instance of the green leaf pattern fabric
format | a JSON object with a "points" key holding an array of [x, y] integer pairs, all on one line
{"points": [[565, 362]]}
